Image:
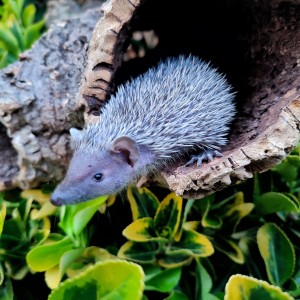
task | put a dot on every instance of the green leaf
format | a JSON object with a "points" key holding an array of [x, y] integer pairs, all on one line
{"points": [[28, 15], [277, 252], [231, 249], [9, 41], [168, 216], [248, 246], [273, 202], [85, 212], [210, 221], [256, 186], [175, 258], [109, 280], [220, 205], [6, 290], [138, 252], [4, 58], [293, 160], [14, 229], [151, 270], [195, 243], [203, 283], [176, 295], [143, 203], [44, 257], [287, 171], [142, 230], [17, 32], [75, 218], [32, 33], [16, 7], [20, 4], [164, 281], [241, 287], [2, 277]]}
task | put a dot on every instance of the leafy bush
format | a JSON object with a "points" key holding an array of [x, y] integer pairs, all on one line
{"points": [[188, 249], [19, 231], [18, 29]]}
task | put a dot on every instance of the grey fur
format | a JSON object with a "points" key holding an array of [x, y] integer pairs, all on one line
{"points": [[180, 105]]}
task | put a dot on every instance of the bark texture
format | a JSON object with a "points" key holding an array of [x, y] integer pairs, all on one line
{"points": [[256, 44], [105, 55], [37, 101]]}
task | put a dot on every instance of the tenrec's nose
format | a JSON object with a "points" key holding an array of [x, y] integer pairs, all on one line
{"points": [[56, 201]]}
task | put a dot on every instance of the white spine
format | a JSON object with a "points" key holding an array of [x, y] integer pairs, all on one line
{"points": [[181, 104]]}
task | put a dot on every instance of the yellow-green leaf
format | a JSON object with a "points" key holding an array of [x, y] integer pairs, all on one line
{"points": [[37, 195], [138, 252], [143, 202], [28, 15], [109, 280], [241, 287], [239, 198], [236, 213], [54, 275], [141, 230], [277, 252], [44, 257], [196, 243], [191, 225], [16, 7], [46, 210], [2, 217], [167, 218], [186, 207], [90, 256]]}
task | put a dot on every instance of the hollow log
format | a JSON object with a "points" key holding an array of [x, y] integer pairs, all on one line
{"points": [[256, 44]]}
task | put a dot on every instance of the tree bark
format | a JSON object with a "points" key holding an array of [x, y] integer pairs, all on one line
{"points": [[37, 104], [256, 44]]}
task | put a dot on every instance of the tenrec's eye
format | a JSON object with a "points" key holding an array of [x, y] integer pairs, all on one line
{"points": [[98, 177]]}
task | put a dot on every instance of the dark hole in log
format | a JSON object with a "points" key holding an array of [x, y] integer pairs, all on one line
{"points": [[251, 42]]}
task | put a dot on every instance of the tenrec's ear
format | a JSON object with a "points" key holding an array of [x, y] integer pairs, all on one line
{"points": [[128, 147], [75, 133]]}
